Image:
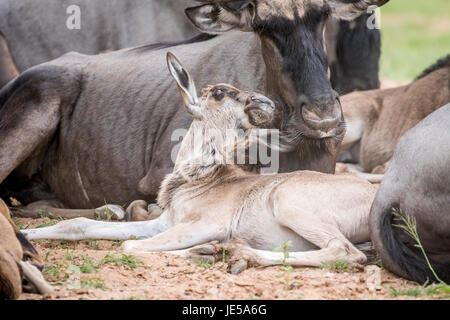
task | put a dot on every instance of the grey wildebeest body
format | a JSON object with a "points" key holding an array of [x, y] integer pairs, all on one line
{"points": [[207, 199], [377, 119], [98, 128], [417, 185], [36, 32]]}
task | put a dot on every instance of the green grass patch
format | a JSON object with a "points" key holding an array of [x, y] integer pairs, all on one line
{"points": [[93, 282], [337, 266], [415, 34], [58, 272], [127, 260], [434, 291]]}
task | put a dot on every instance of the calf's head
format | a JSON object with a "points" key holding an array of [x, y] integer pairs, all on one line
{"points": [[222, 106], [291, 33], [221, 132]]}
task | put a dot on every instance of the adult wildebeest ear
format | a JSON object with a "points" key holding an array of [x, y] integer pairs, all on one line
{"points": [[215, 18], [185, 85], [352, 9]]}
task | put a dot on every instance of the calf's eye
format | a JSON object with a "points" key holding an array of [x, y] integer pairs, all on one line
{"points": [[218, 94]]}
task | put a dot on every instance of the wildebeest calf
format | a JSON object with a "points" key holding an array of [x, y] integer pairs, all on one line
{"points": [[377, 119], [207, 199]]}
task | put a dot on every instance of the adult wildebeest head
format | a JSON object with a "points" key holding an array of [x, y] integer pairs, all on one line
{"points": [[291, 33]]}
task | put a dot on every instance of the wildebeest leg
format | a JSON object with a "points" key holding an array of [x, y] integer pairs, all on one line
{"points": [[8, 69], [181, 236], [336, 249], [34, 276], [139, 210], [56, 208], [27, 123], [87, 229], [316, 229]]}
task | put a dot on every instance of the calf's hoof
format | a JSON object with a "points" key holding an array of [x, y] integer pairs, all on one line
{"points": [[111, 212]]}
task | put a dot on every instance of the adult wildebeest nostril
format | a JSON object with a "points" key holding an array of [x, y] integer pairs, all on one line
{"points": [[323, 121]]}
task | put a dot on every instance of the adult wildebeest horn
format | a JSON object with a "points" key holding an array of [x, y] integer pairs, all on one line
{"points": [[220, 1], [350, 10], [343, 9], [185, 84]]}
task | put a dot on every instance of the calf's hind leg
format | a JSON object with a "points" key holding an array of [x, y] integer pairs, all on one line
{"points": [[333, 245]]}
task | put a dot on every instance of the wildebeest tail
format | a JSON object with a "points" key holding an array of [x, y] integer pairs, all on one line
{"points": [[412, 264]]}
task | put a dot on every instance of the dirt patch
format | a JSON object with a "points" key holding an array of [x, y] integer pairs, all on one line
{"points": [[91, 270]]}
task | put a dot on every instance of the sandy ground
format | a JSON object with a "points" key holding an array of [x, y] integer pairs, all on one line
{"points": [[98, 270]]}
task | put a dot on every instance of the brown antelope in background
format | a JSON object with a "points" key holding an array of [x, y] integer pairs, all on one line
{"points": [[205, 200], [377, 119]]}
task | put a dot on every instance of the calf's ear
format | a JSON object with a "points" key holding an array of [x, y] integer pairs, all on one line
{"points": [[215, 18], [185, 84], [352, 9]]}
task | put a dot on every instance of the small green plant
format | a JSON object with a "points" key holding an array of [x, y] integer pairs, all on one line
{"points": [[93, 282], [87, 264], [18, 223], [409, 225], [224, 256], [204, 263], [130, 261], [285, 266], [337, 266], [116, 243], [107, 214], [405, 291], [49, 218], [54, 271], [434, 291], [93, 245], [285, 249]]}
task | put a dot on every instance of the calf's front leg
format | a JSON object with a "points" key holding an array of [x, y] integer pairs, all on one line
{"points": [[178, 237], [87, 229]]}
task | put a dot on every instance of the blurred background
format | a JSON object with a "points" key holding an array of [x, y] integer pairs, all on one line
{"points": [[415, 34]]}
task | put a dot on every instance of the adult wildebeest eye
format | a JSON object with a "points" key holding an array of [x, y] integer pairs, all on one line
{"points": [[236, 6]]}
